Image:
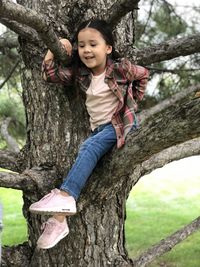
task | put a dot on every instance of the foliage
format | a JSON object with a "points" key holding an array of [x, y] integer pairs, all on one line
{"points": [[162, 22]]}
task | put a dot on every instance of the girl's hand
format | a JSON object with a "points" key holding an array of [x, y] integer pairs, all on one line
{"points": [[67, 46]]}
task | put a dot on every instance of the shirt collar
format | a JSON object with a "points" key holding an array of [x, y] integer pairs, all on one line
{"points": [[109, 69]]}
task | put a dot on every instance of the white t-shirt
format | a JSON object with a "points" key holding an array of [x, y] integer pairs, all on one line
{"points": [[101, 102]]}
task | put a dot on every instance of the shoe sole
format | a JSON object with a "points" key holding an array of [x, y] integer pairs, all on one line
{"points": [[51, 212], [56, 241]]}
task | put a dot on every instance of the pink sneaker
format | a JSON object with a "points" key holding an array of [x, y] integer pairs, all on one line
{"points": [[53, 203], [54, 231]]}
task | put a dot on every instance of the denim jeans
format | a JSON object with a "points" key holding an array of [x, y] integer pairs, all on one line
{"points": [[100, 141]]}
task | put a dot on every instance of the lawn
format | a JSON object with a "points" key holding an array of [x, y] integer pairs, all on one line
{"points": [[14, 224], [158, 205]]}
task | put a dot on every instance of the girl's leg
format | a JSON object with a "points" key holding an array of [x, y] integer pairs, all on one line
{"points": [[94, 147], [90, 152]]}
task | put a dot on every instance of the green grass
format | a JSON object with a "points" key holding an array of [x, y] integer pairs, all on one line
{"points": [[158, 205], [14, 224]]}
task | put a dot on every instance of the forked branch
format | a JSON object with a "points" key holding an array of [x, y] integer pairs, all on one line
{"points": [[16, 181], [24, 31], [168, 50], [119, 9], [31, 18]]}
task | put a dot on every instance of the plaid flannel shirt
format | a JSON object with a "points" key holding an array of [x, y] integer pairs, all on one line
{"points": [[127, 81]]}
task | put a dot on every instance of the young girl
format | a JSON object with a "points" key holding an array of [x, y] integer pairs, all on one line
{"points": [[112, 87]]}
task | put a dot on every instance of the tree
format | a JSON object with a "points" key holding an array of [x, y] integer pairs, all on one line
{"points": [[56, 123]]}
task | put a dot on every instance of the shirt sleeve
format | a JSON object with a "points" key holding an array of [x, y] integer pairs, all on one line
{"points": [[138, 75], [55, 73]]}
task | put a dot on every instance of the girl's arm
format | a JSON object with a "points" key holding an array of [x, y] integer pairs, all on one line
{"points": [[138, 75], [53, 72]]}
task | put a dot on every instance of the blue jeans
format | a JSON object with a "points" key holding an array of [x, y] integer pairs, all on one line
{"points": [[92, 149]]}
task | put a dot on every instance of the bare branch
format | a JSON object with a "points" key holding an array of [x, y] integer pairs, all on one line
{"points": [[167, 50], [19, 255], [167, 244], [173, 71], [31, 18], [119, 9], [186, 149], [8, 77], [24, 31], [8, 160], [16, 181], [146, 114]]}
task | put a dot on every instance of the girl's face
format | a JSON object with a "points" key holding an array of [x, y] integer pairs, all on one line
{"points": [[93, 50]]}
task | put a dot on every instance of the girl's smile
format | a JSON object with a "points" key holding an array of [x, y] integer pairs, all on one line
{"points": [[93, 50]]}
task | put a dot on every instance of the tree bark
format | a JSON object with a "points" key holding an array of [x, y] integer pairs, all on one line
{"points": [[57, 123], [9, 160]]}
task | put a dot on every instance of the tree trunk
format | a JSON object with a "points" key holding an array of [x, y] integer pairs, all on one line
{"points": [[57, 123]]}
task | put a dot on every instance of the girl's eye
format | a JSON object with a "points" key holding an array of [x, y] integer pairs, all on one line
{"points": [[93, 44]]}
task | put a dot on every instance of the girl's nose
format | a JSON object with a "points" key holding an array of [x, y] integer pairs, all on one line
{"points": [[87, 49]]}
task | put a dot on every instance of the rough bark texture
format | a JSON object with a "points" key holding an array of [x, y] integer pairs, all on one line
{"points": [[57, 123], [9, 160]]}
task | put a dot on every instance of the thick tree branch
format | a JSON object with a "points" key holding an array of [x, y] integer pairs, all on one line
{"points": [[172, 126], [167, 50], [188, 92], [31, 18], [166, 244], [16, 181], [35, 179], [22, 30], [17, 256], [186, 149], [119, 9], [8, 160], [173, 71]]}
